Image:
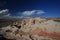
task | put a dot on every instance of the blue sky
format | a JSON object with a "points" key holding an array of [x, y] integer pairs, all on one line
{"points": [[29, 8]]}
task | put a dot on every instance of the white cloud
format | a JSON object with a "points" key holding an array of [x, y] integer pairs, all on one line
{"points": [[40, 12], [3, 11], [28, 13], [4, 14]]}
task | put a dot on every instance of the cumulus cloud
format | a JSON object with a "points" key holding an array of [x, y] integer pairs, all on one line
{"points": [[4, 11], [28, 13], [4, 14], [40, 12]]}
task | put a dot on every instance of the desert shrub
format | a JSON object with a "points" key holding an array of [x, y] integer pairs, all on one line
{"points": [[56, 20]]}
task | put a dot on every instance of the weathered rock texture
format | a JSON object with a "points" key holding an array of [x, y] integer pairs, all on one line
{"points": [[33, 29]]}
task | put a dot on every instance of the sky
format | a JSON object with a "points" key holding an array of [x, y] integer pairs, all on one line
{"points": [[16, 9]]}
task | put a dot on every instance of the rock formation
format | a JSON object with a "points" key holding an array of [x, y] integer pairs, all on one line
{"points": [[33, 29]]}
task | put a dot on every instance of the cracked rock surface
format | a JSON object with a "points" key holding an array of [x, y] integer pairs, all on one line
{"points": [[32, 29]]}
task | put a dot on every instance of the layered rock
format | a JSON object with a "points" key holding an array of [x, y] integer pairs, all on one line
{"points": [[33, 29]]}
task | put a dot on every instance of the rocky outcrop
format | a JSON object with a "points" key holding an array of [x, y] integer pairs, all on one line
{"points": [[33, 29]]}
